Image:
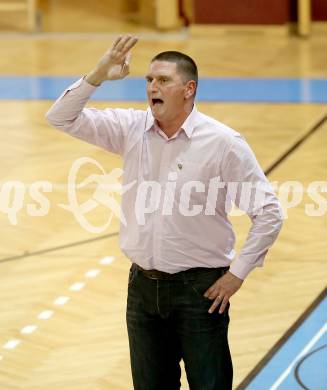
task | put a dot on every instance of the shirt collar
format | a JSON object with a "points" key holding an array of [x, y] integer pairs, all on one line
{"points": [[188, 125]]}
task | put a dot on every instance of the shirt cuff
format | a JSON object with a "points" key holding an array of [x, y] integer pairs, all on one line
{"points": [[82, 83], [85, 89], [240, 268]]}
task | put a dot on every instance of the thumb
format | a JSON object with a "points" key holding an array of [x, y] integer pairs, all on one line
{"points": [[125, 67], [128, 58]]}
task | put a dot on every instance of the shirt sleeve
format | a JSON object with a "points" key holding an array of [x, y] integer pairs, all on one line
{"points": [[104, 128], [250, 190]]}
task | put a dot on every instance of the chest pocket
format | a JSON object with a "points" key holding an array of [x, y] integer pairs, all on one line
{"points": [[193, 178], [191, 171]]}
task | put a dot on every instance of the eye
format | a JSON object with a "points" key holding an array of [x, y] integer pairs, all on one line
{"points": [[148, 79]]}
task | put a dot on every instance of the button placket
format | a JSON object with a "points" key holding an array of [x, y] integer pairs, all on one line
{"points": [[157, 215]]}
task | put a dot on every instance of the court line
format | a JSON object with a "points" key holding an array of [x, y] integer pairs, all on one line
{"points": [[59, 301], [299, 364], [288, 334], [59, 247], [296, 145], [306, 349]]}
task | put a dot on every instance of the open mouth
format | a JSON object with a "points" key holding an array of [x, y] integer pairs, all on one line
{"points": [[156, 102]]}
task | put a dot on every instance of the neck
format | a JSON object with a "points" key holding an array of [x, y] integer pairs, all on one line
{"points": [[170, 127]]}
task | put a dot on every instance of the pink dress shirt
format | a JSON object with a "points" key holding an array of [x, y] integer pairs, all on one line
{"points": [[167, 239]]}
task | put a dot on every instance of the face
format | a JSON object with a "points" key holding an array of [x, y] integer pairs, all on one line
{"points": [[167, 93]]}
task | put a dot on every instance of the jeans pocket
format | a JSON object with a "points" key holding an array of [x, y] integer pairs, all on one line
{"points": [[201, 284]]}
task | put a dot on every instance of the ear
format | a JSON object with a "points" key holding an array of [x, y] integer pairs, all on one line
{"points": [[190, 89]]}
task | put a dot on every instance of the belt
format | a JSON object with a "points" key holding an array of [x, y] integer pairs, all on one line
{"points": [[182, 275]]}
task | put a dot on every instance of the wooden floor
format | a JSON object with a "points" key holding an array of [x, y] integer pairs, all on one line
{"points": [[83, 345]]}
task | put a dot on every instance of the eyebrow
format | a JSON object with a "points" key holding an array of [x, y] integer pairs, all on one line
{"points": [[148, 77]]}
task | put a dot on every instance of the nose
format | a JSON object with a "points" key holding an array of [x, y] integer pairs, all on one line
{"points": [[153, 86]]}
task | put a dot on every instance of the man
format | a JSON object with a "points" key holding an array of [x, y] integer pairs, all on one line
{"points": [[182, 277]]}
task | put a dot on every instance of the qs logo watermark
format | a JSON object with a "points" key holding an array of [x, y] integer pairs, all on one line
{"points": [[106, 186], [190, 198]]}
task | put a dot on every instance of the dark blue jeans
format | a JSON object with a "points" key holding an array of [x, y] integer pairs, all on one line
{"points": [[168, 320]]}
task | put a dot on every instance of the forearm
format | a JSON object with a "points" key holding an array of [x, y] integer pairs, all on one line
{"points": [[263, 233], [68, 107], [68, 114], [98, 127], [94, 78]]}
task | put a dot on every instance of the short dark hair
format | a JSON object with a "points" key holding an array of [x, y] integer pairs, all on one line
{"points": [[185, 64]]}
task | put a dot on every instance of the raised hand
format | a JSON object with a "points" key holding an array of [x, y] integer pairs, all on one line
{"points": [[114, 64]]}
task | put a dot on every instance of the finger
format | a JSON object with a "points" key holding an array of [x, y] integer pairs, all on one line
{"points": [[118, 52], [207, 293], [120, 45], [117, 40], [123, 47], [129, 44], [213, 293], [211, 290], [223, 305], [215, 304]]}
